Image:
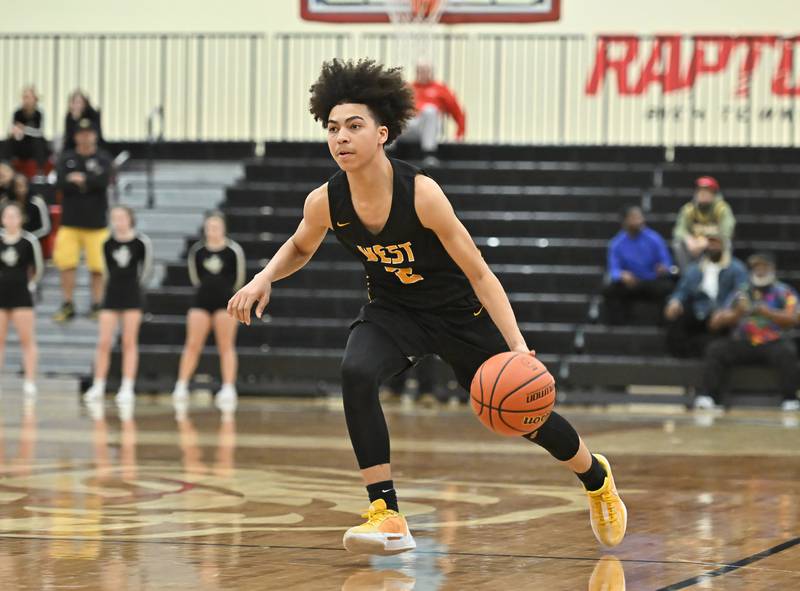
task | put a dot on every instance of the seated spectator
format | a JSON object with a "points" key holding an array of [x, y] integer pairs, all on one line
{"points": [[80, 108], [707, 212], [761, 313], [638, 267], [83, 177], [433, 100], [6, 179], [25, 137], [35, 215], [703, 288]]}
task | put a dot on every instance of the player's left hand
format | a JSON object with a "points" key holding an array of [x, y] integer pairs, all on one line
{"points": [[525, 350]]}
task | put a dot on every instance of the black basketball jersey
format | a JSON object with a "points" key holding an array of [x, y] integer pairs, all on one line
{"points": [[18, 258], [129, 263], [405, 262], [217, 269]]}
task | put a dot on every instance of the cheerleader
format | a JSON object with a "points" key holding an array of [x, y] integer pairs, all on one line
{"points": [[128, 258], [217, 271], [21, 268]]}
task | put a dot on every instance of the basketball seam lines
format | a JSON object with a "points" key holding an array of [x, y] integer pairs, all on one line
{"points": [[494, 387]]}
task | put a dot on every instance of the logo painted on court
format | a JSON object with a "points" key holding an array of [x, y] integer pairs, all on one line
{"points": [[162, 501]]}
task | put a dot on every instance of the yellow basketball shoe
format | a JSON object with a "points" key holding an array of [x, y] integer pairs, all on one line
{"points": [[607, 512], [385, 532]]}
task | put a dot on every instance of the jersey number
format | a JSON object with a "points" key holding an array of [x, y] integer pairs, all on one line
{"points": [[405, 274], [393, 254]]}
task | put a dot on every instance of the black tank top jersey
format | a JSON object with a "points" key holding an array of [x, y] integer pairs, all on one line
{"points": [[18, 259], [405, 263], [128, 264], [217, 270]]}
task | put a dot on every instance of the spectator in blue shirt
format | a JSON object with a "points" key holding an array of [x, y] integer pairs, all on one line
{"points": [[703, 289], [638, 268]]}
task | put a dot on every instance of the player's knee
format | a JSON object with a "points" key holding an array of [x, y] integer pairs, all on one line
{"points": [[358, 379], [558, 437]]}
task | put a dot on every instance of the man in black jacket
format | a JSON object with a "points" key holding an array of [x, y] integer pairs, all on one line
{"points": [[83, 176]]}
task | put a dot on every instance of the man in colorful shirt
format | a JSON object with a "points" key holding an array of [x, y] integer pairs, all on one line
{"points": [[761, 313]]}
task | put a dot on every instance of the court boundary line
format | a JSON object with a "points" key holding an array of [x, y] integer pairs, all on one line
{"points": [[729, 568], [178, 542]]}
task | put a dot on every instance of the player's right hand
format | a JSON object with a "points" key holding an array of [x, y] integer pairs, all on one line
{"points": [[255, 292]]}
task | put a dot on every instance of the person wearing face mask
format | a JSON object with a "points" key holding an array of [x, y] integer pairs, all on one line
{"points": [[760, 313], [703, 288], [638, 267], [707, 212]]}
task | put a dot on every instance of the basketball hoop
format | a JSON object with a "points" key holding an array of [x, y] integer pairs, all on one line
{"points": [[414, 22]]}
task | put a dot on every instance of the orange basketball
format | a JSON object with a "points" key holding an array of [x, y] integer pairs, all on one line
{"points": [[513, 393]]}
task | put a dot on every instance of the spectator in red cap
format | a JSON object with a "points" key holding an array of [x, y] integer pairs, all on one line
{"points": [[433, 100], [707, 213]]}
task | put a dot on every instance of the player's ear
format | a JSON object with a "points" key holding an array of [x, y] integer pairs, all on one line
{"points": [[383, 134]]}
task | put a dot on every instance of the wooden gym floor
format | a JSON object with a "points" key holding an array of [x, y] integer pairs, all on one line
{"points": [[260, 501]]}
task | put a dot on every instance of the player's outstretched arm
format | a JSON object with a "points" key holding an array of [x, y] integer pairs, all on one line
{"points": [[291, 256], [436, 213]]}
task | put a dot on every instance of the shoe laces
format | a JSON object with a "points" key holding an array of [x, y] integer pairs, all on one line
{"points": [[375, 516], [608, 499]]}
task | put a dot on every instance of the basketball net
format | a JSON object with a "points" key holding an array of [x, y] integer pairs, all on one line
{"points": [[414, 22]]}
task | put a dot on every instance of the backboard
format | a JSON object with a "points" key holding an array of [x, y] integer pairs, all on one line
{"points": [[456, 11]]}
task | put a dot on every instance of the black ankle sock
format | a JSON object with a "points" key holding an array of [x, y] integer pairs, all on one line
{"points": [[383, 490], [594, 477]]}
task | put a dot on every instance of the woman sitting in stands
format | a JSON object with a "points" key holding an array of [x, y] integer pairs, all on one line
{"points": [[20, 269], [217, 270], [35, 215], [128, 257]]}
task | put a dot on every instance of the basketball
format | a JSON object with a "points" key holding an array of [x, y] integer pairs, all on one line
{"points": [[512, 393]]}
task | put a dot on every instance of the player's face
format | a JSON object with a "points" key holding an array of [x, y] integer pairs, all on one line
{"points": [[120, 221], [12, 219], [354, 136]]}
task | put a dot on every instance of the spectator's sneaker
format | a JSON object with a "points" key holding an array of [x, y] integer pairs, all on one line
{"points": [[790, 405], [125, 408], [65, 313], [95, 392], [608, 575], [94, 312], [607, 513], [29, 390], [226, 399], [125, 396], [180, 392], [704, 402], [385, 532]]}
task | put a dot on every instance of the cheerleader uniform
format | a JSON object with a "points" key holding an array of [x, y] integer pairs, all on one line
{"points": [[16, 260], [128, 267], [216, 274]]}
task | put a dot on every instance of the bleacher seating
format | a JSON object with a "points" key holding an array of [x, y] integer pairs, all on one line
{"points": [[542, 217]]}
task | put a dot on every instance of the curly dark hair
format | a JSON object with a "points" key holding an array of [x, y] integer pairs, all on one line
{"points": [[382, 90]]}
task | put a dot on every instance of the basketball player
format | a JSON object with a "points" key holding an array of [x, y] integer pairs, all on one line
{"points": [[217, 270], [128, 258], [429, 290], [21, 268]]}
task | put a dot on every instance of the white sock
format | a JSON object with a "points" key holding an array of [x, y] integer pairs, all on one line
{"points": [[28, 385], [126, 384], [99, 384], [228, 388]]}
